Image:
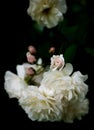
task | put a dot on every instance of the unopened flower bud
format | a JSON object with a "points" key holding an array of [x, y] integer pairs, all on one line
{"points": [[32, 49], [52, 50], [30, 58]]}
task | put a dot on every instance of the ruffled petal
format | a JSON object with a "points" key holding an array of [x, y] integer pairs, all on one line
{"points": [[68, 69], [20, 71], [14, 85], [40, 106]]}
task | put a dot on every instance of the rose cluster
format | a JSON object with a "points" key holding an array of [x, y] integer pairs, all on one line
{"points": [[52, 94]]}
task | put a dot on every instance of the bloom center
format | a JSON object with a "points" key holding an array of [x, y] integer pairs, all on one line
{"points": [[46, 10]]}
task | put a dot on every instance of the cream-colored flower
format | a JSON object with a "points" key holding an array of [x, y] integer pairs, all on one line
{"points": [[47, 12], [55, 99], [61, 94], [57, 62]]}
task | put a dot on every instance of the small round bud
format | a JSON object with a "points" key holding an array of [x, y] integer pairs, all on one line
{"points": [[32, 49], [52, 50], [30, 58]]}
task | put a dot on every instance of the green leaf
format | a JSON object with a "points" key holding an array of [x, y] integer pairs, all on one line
{"points": [[70, 53], [38, 28], [69, 32], [90, 51], [76, 8]]}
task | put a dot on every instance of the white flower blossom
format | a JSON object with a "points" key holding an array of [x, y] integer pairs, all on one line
{"points": [[57, 62], [61, 94], [47, 12]]}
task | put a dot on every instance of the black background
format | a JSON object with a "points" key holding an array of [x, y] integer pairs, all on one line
{"points": [[15, 37]]}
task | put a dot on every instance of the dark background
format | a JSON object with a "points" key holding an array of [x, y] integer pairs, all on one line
{"points": [[75, 37]]}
